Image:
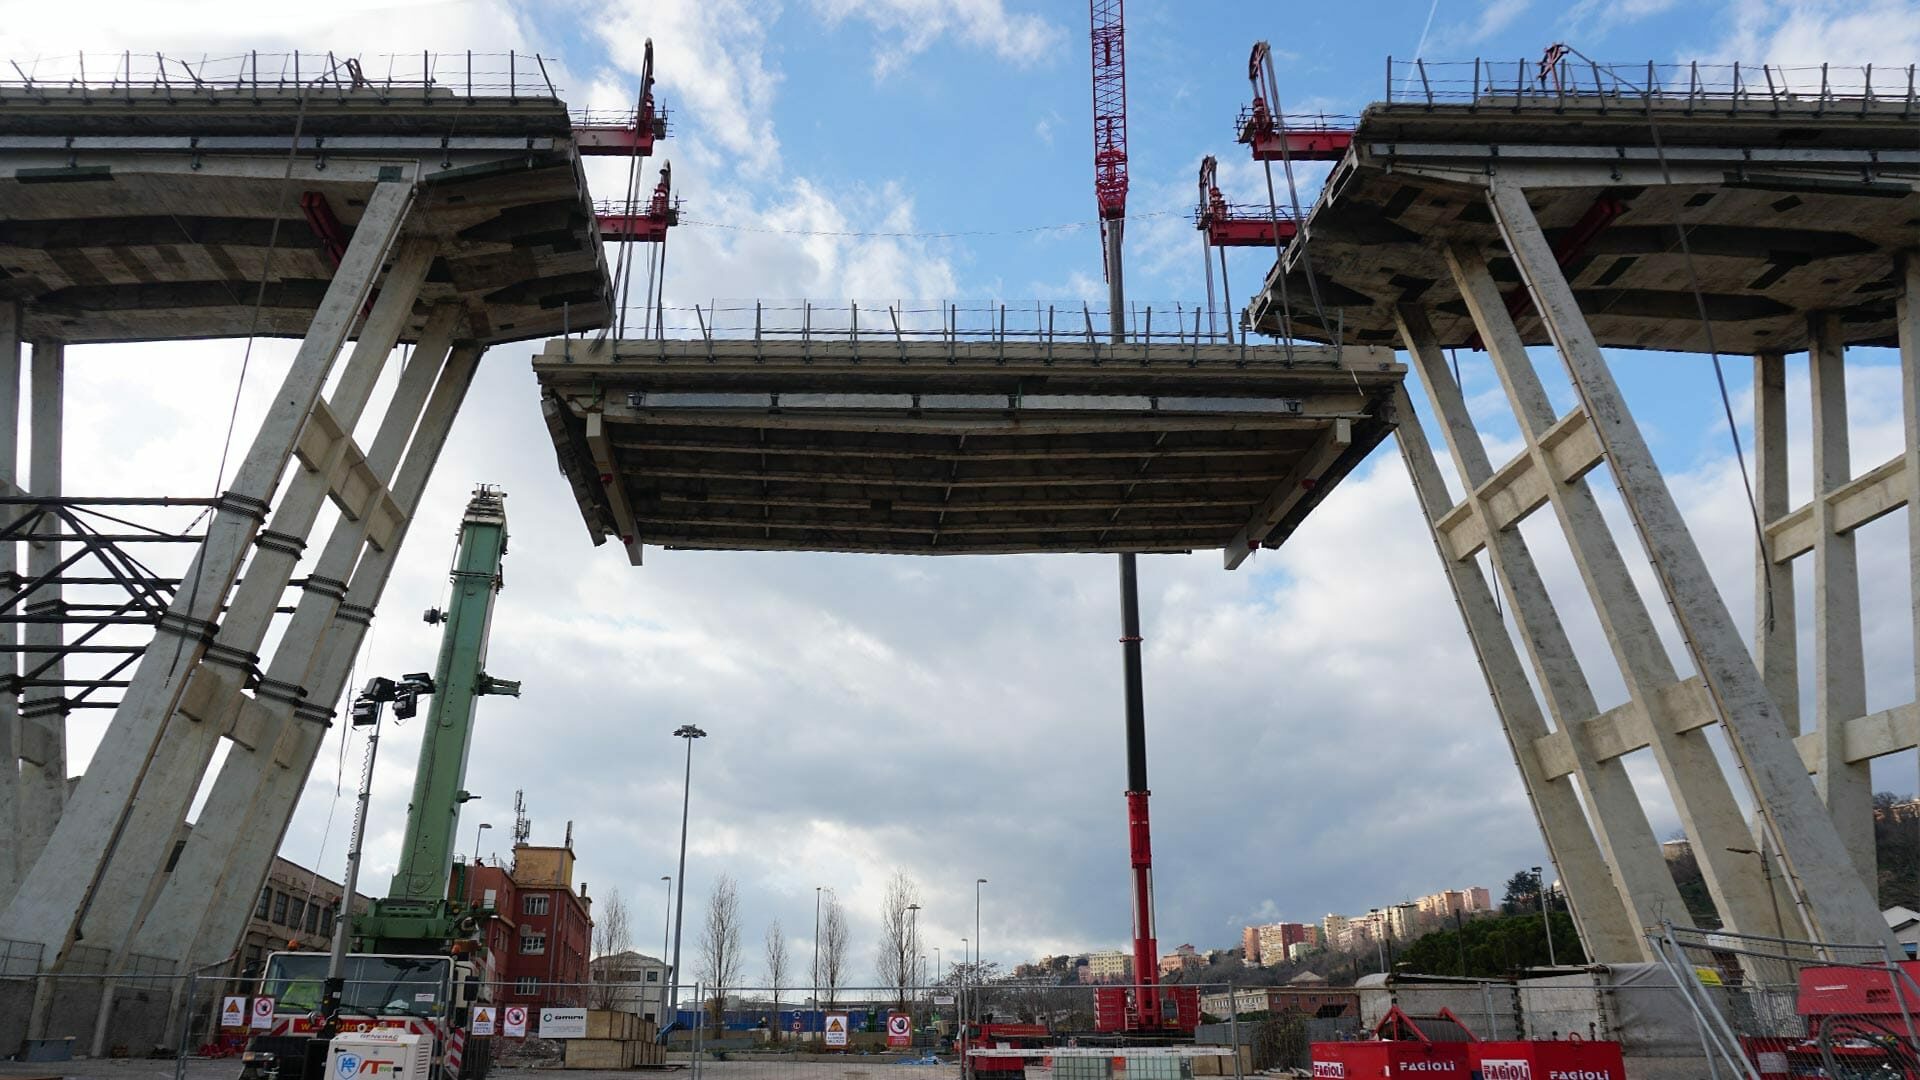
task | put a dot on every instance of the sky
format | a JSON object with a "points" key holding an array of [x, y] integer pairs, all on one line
{"points": [[1320, 737]]}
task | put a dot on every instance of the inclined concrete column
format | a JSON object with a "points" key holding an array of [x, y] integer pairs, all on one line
{"points": [[137, 869], [53, 897], [1840, 673], [1640, 878], [43, 710], [13, 863], [1603, 914], [1835, 901], [203, 908]]}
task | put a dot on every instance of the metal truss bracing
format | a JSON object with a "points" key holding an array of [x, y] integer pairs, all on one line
{"points": [[1509, 221]]}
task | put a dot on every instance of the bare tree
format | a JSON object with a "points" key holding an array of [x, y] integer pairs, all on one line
{"points": [[612, 935], [896, 958], [776, 970], [720, 945], [835, 937]]}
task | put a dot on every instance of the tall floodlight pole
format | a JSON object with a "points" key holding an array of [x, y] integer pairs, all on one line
{"points": [[367, 711], [666, 935], [688, 732], [477, 834]]}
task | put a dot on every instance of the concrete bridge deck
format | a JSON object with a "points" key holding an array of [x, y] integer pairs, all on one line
{"points": [[972, 447]]}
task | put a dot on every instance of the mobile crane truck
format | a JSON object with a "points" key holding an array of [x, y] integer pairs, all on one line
{"points": [[417, 956]]}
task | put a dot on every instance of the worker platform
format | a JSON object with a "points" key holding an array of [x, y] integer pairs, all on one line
{"points": [[155, 208], [946, 447], [1779, 186]]}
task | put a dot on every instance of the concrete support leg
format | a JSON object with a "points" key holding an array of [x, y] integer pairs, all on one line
{"points": [[1641, 886], [1700, 790], [13, 863], [1840, 674], [213, 693], [1601, 905], [202, 909], [43, 709], [54, 896], [1907, 316], [1836, 903], [1775, 638]]}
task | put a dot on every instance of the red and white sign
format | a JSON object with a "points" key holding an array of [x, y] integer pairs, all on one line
{"points": [[899, 1029], [515, 1021], [263, 1012], [1333, 1070], [1506, 1069]]}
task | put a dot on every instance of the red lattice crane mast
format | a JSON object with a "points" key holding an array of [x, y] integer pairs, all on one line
{"points": [[1139, 1008]]}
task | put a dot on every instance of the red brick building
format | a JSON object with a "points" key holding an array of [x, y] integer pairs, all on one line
{"points": [[541, 935]]}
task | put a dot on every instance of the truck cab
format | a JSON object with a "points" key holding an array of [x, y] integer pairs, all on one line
{"points": [[432, 996]]}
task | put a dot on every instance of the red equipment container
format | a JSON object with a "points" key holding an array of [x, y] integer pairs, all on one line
{"points": [[1542, 1059], [1390, 1058]]}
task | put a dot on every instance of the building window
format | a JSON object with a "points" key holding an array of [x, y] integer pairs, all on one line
{"points": [[653, 976], [534, 904], [531, 942], [266, 903], [313, 917], [280, 908], [298, 914], [526, 986]]}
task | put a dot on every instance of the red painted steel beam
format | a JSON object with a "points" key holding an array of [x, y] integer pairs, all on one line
{"points": [[1306, 144], [1246, 232], [605, 140], [632, 228]]}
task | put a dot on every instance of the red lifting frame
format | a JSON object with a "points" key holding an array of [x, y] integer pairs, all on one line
{"points": [[1109, 108], [649, 227], [621, 140]]}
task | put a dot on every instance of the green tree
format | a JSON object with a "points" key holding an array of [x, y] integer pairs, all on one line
{"points": [[1523, 893], [1493, 947]]}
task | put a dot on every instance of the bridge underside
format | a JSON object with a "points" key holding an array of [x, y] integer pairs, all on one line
{"points": [[978, 447]]}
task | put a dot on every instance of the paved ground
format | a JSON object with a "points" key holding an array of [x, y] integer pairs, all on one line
{"points": [[778, 1069]]}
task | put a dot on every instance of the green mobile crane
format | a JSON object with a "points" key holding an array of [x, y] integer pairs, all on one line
{"points": [[416, 956], [416, 911]]}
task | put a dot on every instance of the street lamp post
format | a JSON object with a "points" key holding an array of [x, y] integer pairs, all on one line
{"points": [[484, 826], [979, 947], [966, 958], [1546, 920], [666, 935], [913, 955], [688, 732], [816, 947]]}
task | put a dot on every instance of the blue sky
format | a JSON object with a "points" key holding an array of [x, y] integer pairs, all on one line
{"points": [[962, 719]]}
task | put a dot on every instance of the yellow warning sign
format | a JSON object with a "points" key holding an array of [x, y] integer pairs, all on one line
{"points": [[837, 1029]]}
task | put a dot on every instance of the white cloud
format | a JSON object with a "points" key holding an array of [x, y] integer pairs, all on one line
{"points": [[1885, 33], [913, 26]]}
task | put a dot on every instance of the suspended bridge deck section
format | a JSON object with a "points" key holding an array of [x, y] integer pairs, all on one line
{"points": [[964, 447]]}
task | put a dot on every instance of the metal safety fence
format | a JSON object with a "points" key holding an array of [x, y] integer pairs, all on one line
{"points": [[1768, 1007], [1561, 78], [141, 76], [883, 324]]}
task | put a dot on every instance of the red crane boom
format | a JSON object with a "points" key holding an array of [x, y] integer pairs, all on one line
{"points": [[1110, 107]]}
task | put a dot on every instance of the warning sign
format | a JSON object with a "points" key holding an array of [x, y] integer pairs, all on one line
{"points": [[233, 1012], [899, 1029], [515, 1021], [837, 1029], [483, 1019], [263, 1013]]}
